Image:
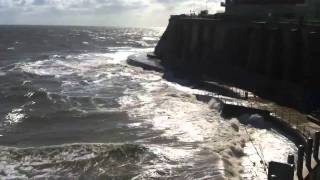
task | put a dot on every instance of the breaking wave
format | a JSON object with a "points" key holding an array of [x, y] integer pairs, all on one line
{"points": [[75, 110], [75, 161]]}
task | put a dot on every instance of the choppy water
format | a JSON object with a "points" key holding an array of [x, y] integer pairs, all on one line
{"points": [[70, 107]]}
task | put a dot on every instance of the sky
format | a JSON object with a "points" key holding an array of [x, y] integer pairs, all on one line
{"points": [[129, 13]]}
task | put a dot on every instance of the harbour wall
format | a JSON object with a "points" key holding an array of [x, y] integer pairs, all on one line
{"points": [[276, 60]]}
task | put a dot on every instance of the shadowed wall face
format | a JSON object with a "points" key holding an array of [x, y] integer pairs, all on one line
{"points": [[310, 9], [276, 60]]}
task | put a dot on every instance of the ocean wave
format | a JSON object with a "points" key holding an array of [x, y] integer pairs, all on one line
{"points": [[61, 98], [2, 73], [76, 161]]}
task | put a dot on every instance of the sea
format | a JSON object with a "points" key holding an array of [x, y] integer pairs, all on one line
{"points": [[72, 108]]}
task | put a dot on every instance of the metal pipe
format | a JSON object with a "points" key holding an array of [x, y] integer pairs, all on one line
{"points": [[300, 162], [309, 153], [316, 146]]}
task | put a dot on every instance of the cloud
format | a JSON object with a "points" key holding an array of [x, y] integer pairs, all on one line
{"points": [[39, 2], [97, 12]]}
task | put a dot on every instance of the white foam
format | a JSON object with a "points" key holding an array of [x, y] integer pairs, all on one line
{"points": [[214, 104], [172, 109], [149, 38], [191, 126], [265, 146], [14, 117]]}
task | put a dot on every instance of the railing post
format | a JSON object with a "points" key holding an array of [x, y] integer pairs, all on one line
{"points": [[300, 162], [291, 159], [309, 153], [316, 146]]}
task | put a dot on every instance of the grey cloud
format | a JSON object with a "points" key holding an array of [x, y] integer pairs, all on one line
{"points": [[39, 2], [118, 7], [19, 2], [91, 11]]}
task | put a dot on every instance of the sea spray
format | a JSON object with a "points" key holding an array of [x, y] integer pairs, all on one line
{"points": [[128, 122], [215, 104]]}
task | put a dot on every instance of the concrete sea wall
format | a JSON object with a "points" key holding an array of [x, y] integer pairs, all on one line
{"points": [[305, 165], [276, 60]]}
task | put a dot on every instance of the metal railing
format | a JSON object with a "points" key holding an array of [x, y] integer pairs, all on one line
{"points": [[307, 165]]}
